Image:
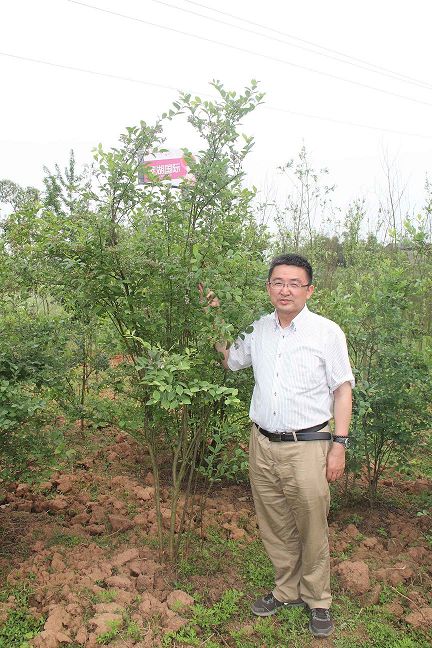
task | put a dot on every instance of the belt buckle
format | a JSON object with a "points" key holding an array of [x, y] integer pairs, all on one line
{"points": [[291, 433]]}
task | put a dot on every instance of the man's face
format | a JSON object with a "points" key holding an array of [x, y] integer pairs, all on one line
{"points": [[290, 297]]}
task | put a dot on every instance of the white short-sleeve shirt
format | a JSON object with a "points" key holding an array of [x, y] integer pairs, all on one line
{"points": [[296, 369]]}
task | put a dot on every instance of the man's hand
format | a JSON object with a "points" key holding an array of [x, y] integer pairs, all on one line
{"points": [[210, 299], [213, 302], [335, 462]]}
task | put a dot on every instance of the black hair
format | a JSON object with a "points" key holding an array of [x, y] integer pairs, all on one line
{"points": [[291, 260]]}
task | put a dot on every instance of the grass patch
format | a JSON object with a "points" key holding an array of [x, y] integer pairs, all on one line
{"points": [[211, 621], [205, 558], [357, 627], [290, 623], [65, 540], [381, 634], [20, 626], [112, 541], [105, 596], [256, 567], [112, 633]]}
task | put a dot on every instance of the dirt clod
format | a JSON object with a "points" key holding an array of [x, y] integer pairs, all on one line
{"points": [[354, 576]]}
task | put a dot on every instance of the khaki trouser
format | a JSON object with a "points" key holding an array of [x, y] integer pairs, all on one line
{"points": [[292, 499]]}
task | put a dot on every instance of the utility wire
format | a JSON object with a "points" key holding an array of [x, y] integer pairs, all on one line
{"points": [[401, 76], [169, 87], [345, 122], [94, 72], [363, 65], [248, 51]]}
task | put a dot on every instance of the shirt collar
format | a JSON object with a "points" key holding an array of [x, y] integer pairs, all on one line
{"points": [[298, 321]]}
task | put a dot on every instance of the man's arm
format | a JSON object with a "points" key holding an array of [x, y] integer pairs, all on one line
{"points": [[342, 417], [221, 347], [238, 353]]}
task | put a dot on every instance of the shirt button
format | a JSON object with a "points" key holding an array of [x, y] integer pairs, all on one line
{"points": [[275, 394], [274, 413]]}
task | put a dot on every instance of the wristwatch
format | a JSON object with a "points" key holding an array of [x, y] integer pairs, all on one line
{"points": [[341, 439]]}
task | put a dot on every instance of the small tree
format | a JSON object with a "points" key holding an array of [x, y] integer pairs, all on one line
{"points": [[376, 309], [137, 254], [305, 196]]}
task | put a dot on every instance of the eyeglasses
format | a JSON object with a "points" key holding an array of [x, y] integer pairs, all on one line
{"points": [[292, 285]]}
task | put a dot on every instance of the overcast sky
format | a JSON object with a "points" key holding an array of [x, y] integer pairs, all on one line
{"points": [[349, 117]]}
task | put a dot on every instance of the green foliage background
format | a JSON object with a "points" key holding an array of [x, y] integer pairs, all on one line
{"points": [[96, 266]]}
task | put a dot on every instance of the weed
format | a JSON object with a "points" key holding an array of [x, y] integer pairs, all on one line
{"points": [[188, 588], [20, 626], [20, 593], [151, 541], [111, 634], [65, 539], [94, 491], [241, 638], [356, 622], [205, 559], [105, 596], [133, 631], [208, 619], [354, 519], [256, 566], [243, 522], [348, 614], [387, 595], [177, 606], [293, 625], [346, 554], [218, 613], [401, 588], [186, 635], [132, 509], [293, 620], [103, 541], [422, 513], [382, 635], [375, 642]]}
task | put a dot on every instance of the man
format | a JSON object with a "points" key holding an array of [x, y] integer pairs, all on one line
{"points": [[303, 378]]}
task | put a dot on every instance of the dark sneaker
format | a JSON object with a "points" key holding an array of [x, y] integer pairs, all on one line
{"points": [[268, 605], [320, 624]]}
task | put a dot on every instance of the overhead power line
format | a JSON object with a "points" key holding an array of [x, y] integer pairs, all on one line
{"points": [[248, 51], [118, 77], [329, 54], [73, 68], [344, 122], [354, 59]]}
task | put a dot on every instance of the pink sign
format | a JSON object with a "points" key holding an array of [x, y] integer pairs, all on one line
{"points": [[170, 168]]}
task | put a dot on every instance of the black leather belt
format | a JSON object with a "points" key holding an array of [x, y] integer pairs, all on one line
{"points": [[307, 434]]}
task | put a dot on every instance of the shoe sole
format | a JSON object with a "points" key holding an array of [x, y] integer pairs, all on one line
{"points": [[271, 612]]}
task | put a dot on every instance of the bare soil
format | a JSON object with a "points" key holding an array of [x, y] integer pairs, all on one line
{"points": [[86, 541]]}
